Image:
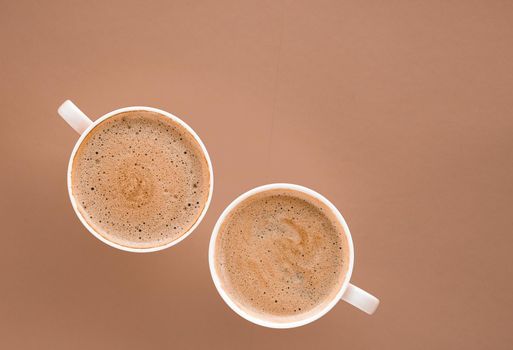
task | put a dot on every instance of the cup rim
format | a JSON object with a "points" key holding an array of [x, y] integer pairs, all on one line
{"points": [[174, 119], [217, 282]]}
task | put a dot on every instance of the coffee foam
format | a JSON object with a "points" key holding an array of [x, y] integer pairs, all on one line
{"points": [[281, 255], [140, 179]]}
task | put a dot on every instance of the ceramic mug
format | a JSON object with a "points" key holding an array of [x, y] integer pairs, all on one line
{"points": [[83, 125], [347, 291]]}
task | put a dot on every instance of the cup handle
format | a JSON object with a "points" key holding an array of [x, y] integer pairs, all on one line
{"points": [[74, 116], [359, 298]]}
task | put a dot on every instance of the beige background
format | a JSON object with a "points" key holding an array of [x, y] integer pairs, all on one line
{"points": [[400, 112]]}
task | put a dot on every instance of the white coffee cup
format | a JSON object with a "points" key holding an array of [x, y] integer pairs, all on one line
{"points": [[83, 125], [347, 292]]}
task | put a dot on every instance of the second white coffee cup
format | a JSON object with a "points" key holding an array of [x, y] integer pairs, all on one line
{"points": [[347, 291]]}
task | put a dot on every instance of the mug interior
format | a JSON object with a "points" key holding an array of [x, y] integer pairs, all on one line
{"points": [[84, 221], [261, 320]]}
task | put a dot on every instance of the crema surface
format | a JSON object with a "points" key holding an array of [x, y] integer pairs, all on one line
{"points": [[281, 255], [140, 179]]}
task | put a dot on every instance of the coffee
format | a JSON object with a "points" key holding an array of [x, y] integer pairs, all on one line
{"points": [[140, 179], [281, 255]]}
